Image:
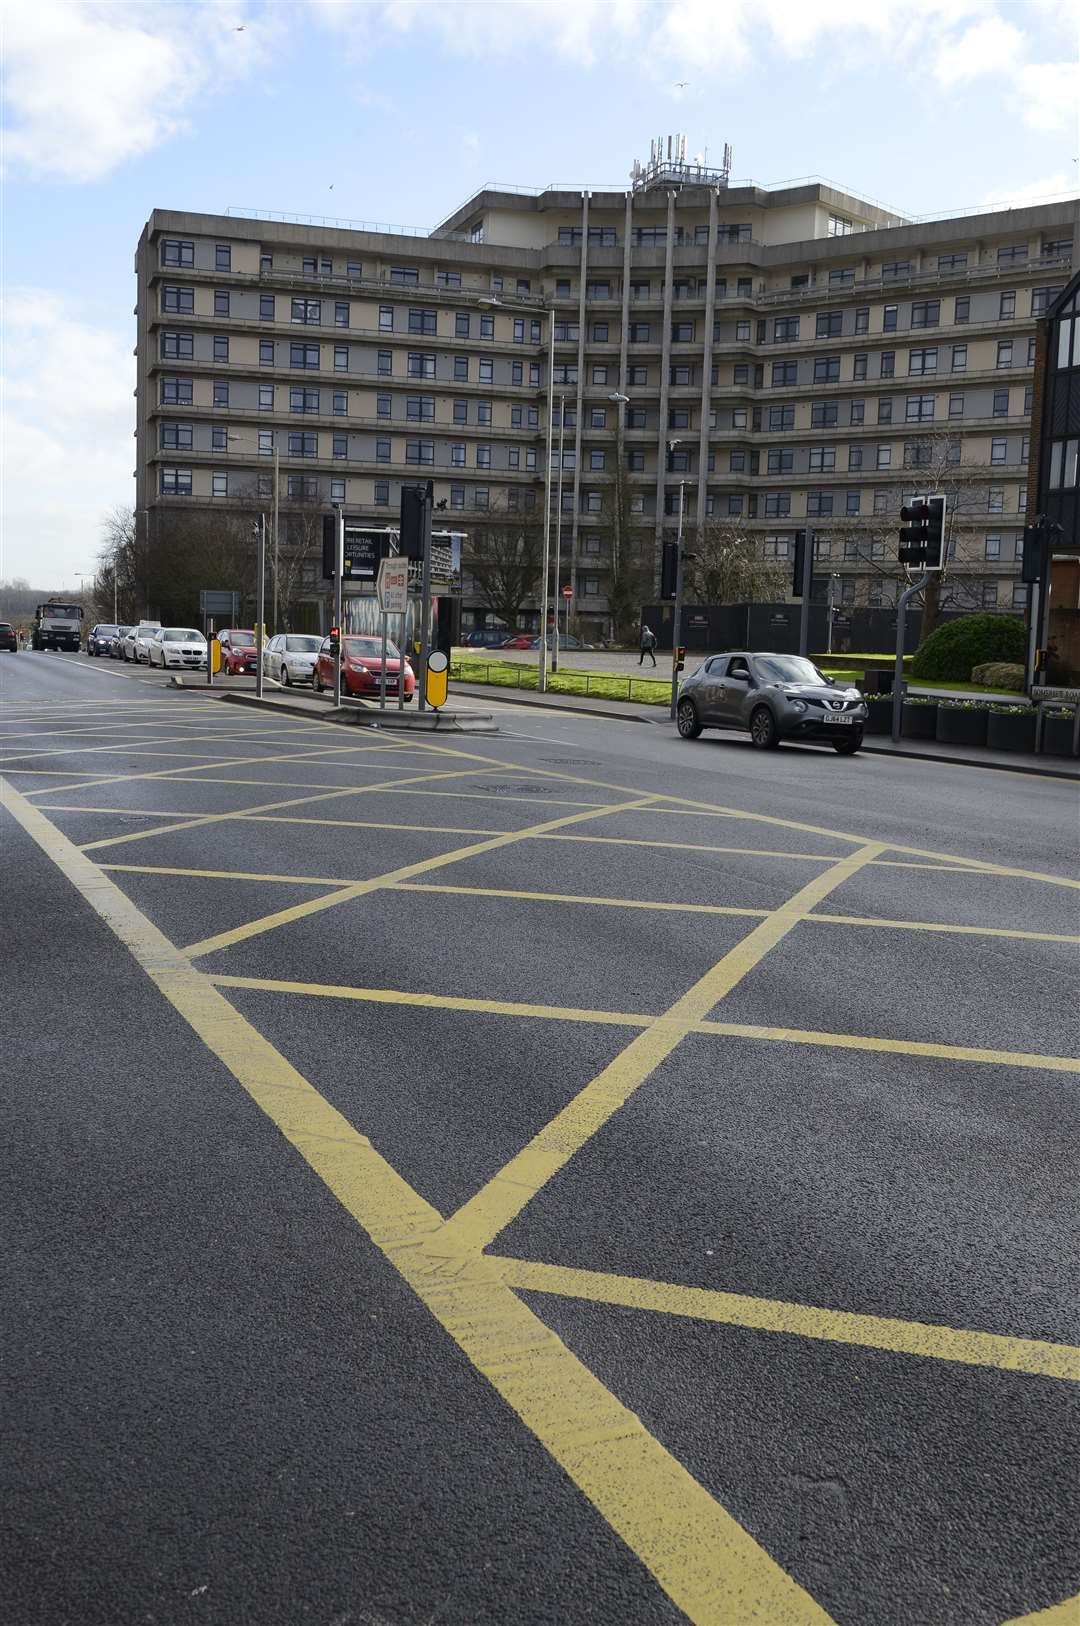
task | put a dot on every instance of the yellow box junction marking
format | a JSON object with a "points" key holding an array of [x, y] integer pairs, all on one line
{"points": [[1059, 1614], [704, 1560], [1031, 1355], [478, 1222]]}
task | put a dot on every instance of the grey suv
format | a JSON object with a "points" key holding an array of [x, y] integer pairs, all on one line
{"points": [[776, 697]]}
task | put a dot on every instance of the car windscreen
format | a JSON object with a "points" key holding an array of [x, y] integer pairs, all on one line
{"points": [[301, 646], [369, 649], [242, 638], [181, 635], [786, 669]]}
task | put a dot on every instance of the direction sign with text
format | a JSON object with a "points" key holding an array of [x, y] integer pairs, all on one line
{"points": [[393, 586]]}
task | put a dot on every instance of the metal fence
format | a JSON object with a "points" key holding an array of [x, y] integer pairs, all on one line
{"points": [[601, 685]]}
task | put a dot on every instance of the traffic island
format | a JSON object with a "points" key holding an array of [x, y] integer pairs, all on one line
{"points": [[358, 713]]}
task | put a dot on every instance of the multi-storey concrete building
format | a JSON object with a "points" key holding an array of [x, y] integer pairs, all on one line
{"points": [[794, 357]]}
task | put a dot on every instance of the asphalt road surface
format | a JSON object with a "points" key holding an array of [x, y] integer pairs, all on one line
{"points": [[571, 1176]]}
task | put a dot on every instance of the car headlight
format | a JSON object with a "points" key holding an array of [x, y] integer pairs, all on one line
{"points": [[797, 705]]}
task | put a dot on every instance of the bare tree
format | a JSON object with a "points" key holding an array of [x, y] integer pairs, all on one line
{"points": [[300, 546], [727, 567], [504, 556]]}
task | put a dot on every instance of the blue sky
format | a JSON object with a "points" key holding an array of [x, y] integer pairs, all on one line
{"points": [[397, 110]]}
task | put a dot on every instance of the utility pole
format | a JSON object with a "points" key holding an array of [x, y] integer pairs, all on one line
{"points": [[274, 529], [425, 611], [260, 607], [558, 548], [541, 676], [339, 571], [676, 625], [807, 584]]}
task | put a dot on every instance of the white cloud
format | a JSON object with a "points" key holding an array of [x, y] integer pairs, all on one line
{"points": [[991, 46], [1054, 185], [68, 449], [1047, 95], [89, 85]]}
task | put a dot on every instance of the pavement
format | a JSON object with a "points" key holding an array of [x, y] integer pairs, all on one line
{"points": [[575, 1176]]}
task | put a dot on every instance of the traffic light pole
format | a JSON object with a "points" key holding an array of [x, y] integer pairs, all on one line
{"points": [[807, 585], [339, 571], [901, 629], [260, 610], [677, 622], [425, 616]]}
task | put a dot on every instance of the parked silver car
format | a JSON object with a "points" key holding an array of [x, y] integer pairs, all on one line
{"points": [[290, 657], [776, 697]]}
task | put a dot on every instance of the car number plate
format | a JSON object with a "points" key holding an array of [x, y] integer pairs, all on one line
{"points": [[839, 717]]}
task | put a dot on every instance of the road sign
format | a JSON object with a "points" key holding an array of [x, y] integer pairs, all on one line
{"points": [[393, 586], [221, 605], [437, 678], [568, 592]]}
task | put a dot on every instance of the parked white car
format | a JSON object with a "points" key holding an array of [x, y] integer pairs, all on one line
{"points": [[290, 657], [177, 646], [135, 645]]}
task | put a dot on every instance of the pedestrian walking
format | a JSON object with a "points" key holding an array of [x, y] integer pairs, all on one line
{"points": [[648, 645]]}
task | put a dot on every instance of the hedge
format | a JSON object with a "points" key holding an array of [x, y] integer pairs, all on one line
{"points": [[955, 647]]}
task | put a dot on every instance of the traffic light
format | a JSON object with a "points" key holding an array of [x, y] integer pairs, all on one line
{"points": [[680, 657], [335, 640], [329, 546], [669, 570], [1031, 564], [914, 532], [922, 534], [799, 565], [416, 505]]}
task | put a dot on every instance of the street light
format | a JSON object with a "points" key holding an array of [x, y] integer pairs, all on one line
{"points": [[675, 644], [230, 436], [541, 676], [622, 401]]}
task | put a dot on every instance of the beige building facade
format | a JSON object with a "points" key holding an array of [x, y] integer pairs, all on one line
{"points": [[796, 358]]}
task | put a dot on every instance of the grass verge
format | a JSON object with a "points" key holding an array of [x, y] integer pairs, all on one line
{"points": [[591, 685]]}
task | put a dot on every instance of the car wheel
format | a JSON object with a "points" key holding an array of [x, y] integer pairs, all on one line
{"points": [[763, 729], [285, 679], [686, 720], [848, 746]]}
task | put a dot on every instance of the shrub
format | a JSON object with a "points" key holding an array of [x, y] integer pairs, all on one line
{"points": [[953, 649], [999, 675]]}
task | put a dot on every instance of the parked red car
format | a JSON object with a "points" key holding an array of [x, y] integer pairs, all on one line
{"points": [[237, 650], [520, 640], [361, 666]]}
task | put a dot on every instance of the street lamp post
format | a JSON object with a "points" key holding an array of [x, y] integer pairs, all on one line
{"points": [[558, 549], [622, 402], [676, 628], [541, 676]]}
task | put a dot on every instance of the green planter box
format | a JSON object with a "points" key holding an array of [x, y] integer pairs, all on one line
{"points": [[918, 721], [962, 725], [1011, 730], [879, 715], [1057, 736]]}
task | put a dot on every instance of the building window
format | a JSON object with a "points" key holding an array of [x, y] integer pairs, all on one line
{"points": [[386, 318], [221, 347], [420, 366], [341, 315], [780, 461], [962, 309], [884, 411], [917, 455], [1019, 595], [999, 450], [483, 457], [304, 355], [406, 275], [779, 418], [420, 408], [888, 363], [826, 369], [775, 547], [777, 504], [177, 346], [174, 252], [383, 406], [889, 318], [487, 374], [381, 496], [818, 504], [382, 451], [341, 445], [483, 411], [1007, 306], [922, 361], [855, 457], [1005, 353], [993, 548], [303, 443], [852, 502], [266, 307], [266, 397], [829, 325], [919, 408], [823, 460], [266, 263], [956, 406], [1001, 403], [419, 451], [341, 358], [837, 279], [353, 268], [926, 313], [266, 442], [824, 415], [480, 497], [221, 394], [1042, 299], [895, 268], [337, 491], [307, 310], [884, 457], [178, 301], [995, 500], [219, 483], [176, 437], [640, 332], [461, 412], [1029, 396], [266, 352], [858, 367], [175, 482]]}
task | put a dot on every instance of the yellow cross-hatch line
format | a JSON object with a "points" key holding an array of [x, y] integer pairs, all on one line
{"points": [[376, 883], [1059, 1614], [709, 1566], [478, 1222], [1034, 1356]]}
